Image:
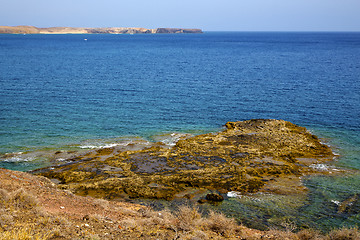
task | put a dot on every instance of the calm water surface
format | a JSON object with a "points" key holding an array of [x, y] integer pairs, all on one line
{"points": [[62, 92]]}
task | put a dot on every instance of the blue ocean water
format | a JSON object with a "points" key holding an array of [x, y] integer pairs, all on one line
{"points": [[58, 91]]}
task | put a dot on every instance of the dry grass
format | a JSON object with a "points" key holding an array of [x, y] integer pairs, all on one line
{"points": [[196, 235], [4, 196], [188, 218], [130, 224], [23, 200], [188, 224], [21, 218], [344, 234], [219, 223], [309, 234], [26, 233]]}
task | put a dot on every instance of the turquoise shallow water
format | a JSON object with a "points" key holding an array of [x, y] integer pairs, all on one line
{"points": [[61, 92]]}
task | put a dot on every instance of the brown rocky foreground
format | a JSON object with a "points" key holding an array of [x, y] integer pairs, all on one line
{"points": [[72, 30], [32, 207], [247, 157]]}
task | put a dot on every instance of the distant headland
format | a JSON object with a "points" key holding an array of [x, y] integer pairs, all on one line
{"points": [[78, 30]]}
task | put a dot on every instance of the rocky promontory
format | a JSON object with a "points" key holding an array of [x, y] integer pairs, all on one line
{"points": [[247, 157], [76, 30]]}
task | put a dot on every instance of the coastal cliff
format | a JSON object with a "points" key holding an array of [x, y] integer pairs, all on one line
{"points": [[71, 30]]}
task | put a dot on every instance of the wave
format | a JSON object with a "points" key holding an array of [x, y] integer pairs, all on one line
{"points": [[61, 152], [18, 159], [104, 146], [110, 143], [167, 139], [170, 139]]}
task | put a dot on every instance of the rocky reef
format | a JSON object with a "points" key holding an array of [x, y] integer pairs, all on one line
{"points": [[246, 157], [71, 30]]}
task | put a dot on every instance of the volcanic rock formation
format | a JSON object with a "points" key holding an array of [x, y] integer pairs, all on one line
{"points": [[246, 157]]}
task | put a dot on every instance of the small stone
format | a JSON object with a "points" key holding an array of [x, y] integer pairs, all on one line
{"points": [[62, 207], [214, 197], [188, 196], [201, 201]]}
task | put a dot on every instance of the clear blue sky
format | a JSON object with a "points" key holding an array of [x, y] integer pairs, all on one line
{"points": [[209, 15]]}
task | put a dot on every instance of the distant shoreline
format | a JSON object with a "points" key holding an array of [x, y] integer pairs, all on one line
{"points": [[77, 30]]}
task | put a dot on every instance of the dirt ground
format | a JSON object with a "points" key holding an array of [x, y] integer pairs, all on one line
{"points": [[59, 214]]}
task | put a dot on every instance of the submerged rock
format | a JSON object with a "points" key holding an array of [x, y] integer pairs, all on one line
{"points": [[246, 157], [350, 205]]}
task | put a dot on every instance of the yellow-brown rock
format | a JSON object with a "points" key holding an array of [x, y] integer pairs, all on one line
{"points": [[247, 156]]}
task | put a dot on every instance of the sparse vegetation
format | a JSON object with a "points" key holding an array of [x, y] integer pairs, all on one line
{"points": [[22, 218], [18, 211], [344, 234], [309, 234], [23, 200], [219, 223], [188, 219]]}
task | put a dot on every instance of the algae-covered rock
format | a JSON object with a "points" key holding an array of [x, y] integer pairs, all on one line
{"points": [[350, 205], [246, 157]]}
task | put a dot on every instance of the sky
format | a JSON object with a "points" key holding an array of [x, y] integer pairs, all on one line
{"points": [[210, 15]]}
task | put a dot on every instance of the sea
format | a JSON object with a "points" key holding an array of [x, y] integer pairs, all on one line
{"points": [[76, 92]]}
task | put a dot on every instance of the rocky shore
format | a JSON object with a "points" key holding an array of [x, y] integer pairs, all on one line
{"points": [[247, 157], [71, 30], [32, 207]]}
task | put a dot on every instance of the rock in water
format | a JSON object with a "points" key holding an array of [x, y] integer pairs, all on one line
{"points": [[350, 205], [214, 197], [246, 157]]}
